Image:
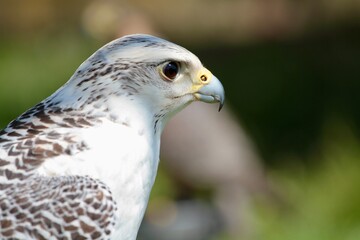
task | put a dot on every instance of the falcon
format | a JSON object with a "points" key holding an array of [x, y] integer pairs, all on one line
{"points": [[81, 163]]}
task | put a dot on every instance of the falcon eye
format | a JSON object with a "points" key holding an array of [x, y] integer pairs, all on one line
{"points": [[170, 70]]}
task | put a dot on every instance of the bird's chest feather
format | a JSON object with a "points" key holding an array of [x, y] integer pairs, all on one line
{"points": [[124, 158]]}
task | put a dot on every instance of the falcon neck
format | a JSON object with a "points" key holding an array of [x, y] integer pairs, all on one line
{"points": [[129, 157], [136, 114]]}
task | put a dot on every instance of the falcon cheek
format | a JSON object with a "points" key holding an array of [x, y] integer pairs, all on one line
{"points": [[208, 88]]}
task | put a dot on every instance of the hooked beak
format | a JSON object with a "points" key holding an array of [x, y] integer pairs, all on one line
{"points": [[212, 93]]}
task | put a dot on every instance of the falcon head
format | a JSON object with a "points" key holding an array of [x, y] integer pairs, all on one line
{"points": [[141, 70]]}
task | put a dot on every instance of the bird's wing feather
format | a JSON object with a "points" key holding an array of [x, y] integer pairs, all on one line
{"points": [[20, 158], [36, 136], [73, 207], [60, 207]]}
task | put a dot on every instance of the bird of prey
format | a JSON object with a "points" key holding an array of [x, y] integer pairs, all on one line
{"points": [[81, 163]]}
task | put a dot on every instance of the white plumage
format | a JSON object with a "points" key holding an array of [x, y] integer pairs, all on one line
{"points": [[81, 164]]}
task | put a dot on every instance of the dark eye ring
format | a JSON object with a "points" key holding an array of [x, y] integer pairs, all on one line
{"points": [[170, 70]]}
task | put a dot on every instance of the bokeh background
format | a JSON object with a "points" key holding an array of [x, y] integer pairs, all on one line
{"points": [[282, 161]]}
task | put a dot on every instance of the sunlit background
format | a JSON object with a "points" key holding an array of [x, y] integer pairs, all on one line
{"points": [[282, 161]]}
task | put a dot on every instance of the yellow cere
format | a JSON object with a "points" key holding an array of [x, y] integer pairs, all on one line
{"points": [[203, 77]]}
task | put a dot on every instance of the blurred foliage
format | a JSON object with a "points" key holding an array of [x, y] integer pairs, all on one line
{"points": [[284, 91], [323, 202]]}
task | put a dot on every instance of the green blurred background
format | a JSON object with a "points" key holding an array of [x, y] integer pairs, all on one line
{"points": [[291, 74]]}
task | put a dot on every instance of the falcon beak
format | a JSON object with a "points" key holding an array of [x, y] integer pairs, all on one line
{"points": [[212, 92]]}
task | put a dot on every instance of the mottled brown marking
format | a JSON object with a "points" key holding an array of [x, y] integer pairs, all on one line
{"points": [[21, 199], [37, 151], [20, 216], [95, 235], [58, 148], [39, 127], [14, 134], [71, 121], [69, 219], [3, 162], [63, 125], [41, 141], [57, 227], [33, 131], [72, 196], [13, 210], [16, 124], [3, 206], [50, 154], [106, 223], [89, 200], [87, 79], [32, 162], [82, 121], [28, 142], [74, 204], [26, 205], [86, 228], [94, 216], [20, 229], [107, 70], [13, 152], [46, 119], [4, 186], [3, 140], [38, 236], [35, 209], [54, 135], [70, 228], [5, 223], [96, 205], [77, 236], [8, 233], [11, 175], [80, 211]]}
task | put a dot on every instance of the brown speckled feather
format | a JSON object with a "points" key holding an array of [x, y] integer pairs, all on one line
{"points": [[57, 208]]}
